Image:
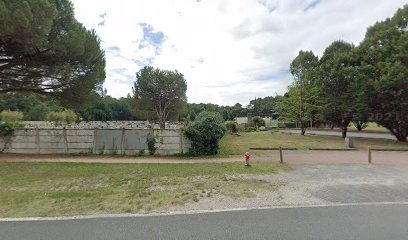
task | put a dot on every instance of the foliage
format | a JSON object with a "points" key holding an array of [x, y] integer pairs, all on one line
{"points": [[384, 61], [257, 121], [299, 104], [339, 85], [67, 116], [289, 108], [360, 125], [159, 92], [34, 107], [262, 106], [141, 153], [281, 125], [106, 108], [231, 126], [10, 121], [45, 50], [205, 133], [151, 145]]}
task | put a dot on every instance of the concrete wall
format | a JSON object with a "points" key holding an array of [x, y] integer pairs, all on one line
{"points": [[93, 141]]}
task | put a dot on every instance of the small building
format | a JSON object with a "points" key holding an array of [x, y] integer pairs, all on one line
{"points": [[241, 120]]}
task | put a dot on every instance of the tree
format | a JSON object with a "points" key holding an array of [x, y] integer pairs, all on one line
{"points": [[384, 61], [160, 91], [205, 133], [10, 121], [288, 107], [338, 85], [34, 107], [257, 122], [262, 106], [298, 105], [45, 50]]}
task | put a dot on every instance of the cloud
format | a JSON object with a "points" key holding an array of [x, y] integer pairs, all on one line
{"points": [[311, 5], [270, 6], [228, 51], [102, 22], [112, 49]]}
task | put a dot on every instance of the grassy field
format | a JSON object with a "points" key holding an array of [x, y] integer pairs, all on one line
{"points": [[237, 145], [372, 127], [54, 189]]}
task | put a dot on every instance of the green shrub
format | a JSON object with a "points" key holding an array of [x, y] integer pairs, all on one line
{"points": [[151, 145], [10, 121], [232, 126], [257, 121], [141, 153], [67, 116], [250, 129], [281, 125], [205, 133]]}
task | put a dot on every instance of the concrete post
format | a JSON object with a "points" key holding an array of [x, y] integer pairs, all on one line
{"points": [[64, 132], [122, 142], [280, 154], [37, 139], [369, 155], [94, 142], [181, 140]]}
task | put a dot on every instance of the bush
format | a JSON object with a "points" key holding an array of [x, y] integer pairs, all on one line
{"points": [[205, 133], [232, 126], [151, 145], [67, 116], [257, 122], [250, 129], [281, 125], [10, 121]]}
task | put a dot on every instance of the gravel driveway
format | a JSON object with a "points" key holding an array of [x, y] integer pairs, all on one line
{"points": [[320, 185]]}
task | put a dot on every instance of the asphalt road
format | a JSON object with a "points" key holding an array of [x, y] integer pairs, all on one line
{"points": [[349, 134], [373, 222]]}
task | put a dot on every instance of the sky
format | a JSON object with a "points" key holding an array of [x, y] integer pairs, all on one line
{"points": [[229, 51]]}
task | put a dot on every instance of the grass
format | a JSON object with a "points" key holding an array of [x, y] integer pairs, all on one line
{"points": [[237, 145], [372, 127], [55, 189]]}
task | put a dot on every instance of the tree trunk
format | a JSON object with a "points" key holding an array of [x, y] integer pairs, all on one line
{"points": [[162, 124], [344, 132], [302, 128], [401, 137]]}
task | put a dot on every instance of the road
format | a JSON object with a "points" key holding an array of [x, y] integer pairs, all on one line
{"points": [[349, 134], [373, 222]]}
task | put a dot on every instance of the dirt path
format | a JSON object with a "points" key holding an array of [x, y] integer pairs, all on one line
{"points": [[290, 157], [107, 159]]}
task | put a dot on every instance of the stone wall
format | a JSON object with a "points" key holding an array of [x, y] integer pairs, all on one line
{"points": [[93, 141]]}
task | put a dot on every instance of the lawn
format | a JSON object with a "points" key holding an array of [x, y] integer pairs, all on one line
{"points": [[372, 127], [238, 145], [55, 189]]}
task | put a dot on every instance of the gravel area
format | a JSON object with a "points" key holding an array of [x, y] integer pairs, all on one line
{"points": [[319, 185]]}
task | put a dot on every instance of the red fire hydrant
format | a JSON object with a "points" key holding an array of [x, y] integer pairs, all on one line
{"points": [[247, 159]]}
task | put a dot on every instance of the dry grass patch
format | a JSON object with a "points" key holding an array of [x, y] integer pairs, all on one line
{"points": [[238, 145], [55, 189]]}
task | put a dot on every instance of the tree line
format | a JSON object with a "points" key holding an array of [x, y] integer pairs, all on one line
{"points": [[354, 84], [102, 107], [49, 61]]}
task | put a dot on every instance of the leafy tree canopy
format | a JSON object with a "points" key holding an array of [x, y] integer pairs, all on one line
{"points": [[159, 92], [45, 50]]}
